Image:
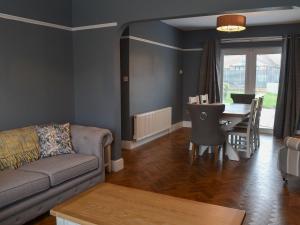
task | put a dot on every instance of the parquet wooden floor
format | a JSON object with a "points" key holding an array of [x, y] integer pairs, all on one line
{"points": [[251, 184]]}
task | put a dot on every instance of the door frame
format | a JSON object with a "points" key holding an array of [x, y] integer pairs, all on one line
{"points": [[250, 71]]}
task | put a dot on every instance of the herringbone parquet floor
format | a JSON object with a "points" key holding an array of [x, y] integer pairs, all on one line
{"points": [[254, 184]]}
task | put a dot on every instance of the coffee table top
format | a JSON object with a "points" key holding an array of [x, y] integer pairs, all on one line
{"points": [[109, 204]]}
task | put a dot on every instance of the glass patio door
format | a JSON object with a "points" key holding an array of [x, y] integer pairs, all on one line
{"points": [[234, 75], [252, 70]]}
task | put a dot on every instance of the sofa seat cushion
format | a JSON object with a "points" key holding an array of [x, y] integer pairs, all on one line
{"points": [[17, 184], [61, 168]]}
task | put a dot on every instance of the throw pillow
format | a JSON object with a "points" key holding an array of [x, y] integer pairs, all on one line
{"points": [[17, 147], [55, 139]]}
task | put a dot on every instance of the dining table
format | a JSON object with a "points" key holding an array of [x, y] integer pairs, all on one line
{"points": [[234, 114]]}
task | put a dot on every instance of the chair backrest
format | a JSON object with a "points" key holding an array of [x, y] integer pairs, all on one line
{"points": [[206, 128], [204, 99], [258, 111], [194, 100], [252, 116], [242, 98]]}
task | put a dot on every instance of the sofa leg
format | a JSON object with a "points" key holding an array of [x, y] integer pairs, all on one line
{"points": [[107, 158]]}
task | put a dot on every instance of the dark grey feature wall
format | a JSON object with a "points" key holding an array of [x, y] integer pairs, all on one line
{"points": [[157, 31], [97, 92], [53, 11], [36, 80], [154, 79], [125, 12], [190, 80]]}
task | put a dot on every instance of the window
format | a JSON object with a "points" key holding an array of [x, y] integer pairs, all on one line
{"points": [[252, 70]]}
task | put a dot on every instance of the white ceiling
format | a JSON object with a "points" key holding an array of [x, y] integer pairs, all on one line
{"points": [[260, 18]]}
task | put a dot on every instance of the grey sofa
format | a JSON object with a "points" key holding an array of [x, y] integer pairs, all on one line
{"points": [[35, 188]]}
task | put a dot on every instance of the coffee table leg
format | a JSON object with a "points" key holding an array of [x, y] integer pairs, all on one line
{"points": [[61, 221]]}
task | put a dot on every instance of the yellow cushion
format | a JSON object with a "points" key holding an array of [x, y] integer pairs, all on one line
{"points": [[17, 147]]}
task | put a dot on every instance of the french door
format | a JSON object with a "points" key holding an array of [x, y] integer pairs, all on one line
{"points": [[252, 70]]}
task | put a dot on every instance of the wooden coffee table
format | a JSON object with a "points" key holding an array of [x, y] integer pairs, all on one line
{"points": [[109, 204]]}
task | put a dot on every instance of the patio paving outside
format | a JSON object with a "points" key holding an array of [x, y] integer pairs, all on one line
{"points": [[267, 118]]}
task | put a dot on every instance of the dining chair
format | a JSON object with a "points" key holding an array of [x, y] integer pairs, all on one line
{"points": [[244, 123], [257, 121], [194, 100], [242, 138], [242, 98], [204, 99], [206, 130]]}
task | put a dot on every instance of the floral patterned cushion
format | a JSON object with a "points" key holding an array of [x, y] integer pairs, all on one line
{"points": [[54, 139]]}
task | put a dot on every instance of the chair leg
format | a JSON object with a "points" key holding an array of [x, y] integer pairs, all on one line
{"points": [[248, 148], [190, 146], [221, 151], [202, 149], [216, 152], [194, 152], [258, 138]]}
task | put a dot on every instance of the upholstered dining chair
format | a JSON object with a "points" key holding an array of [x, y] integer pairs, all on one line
{"points": [[242, 98], [194, 100], [206, 129], [204, 99]]}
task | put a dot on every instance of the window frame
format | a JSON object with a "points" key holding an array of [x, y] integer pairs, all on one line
{"points": [[250, 72]]}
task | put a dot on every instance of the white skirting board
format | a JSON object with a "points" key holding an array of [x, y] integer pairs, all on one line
{"points": [[186, 124], [61, 221], [134, 144], [117, 165]]}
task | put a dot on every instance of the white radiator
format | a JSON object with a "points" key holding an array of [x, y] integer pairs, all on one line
{"points": [[150, 123]]}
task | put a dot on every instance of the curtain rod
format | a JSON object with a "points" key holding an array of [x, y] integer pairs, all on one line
{"points": [[251, 39], [255, 39]]}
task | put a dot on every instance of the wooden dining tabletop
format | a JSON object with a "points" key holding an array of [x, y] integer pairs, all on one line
{"points": [[237, 109]]}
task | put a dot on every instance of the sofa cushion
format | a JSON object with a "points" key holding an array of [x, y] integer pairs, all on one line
{"points": [[61, 168], [17, 147], [54, 139], [18, 184]]}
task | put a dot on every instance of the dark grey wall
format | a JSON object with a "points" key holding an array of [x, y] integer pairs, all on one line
{"points": [[154, 79], [36, 80], [124, 12], [97, 91], [53, 11], [126, 121], [157, 31], [190, 79]]}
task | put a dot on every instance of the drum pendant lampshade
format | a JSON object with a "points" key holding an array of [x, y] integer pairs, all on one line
{"points": [[231, 23]]}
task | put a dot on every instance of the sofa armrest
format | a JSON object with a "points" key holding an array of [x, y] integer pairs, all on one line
{"points": [[289, 157], [292, 143], [90, 140]]}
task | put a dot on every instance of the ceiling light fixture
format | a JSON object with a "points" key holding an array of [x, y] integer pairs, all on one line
{"points": [[231, 23]]}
